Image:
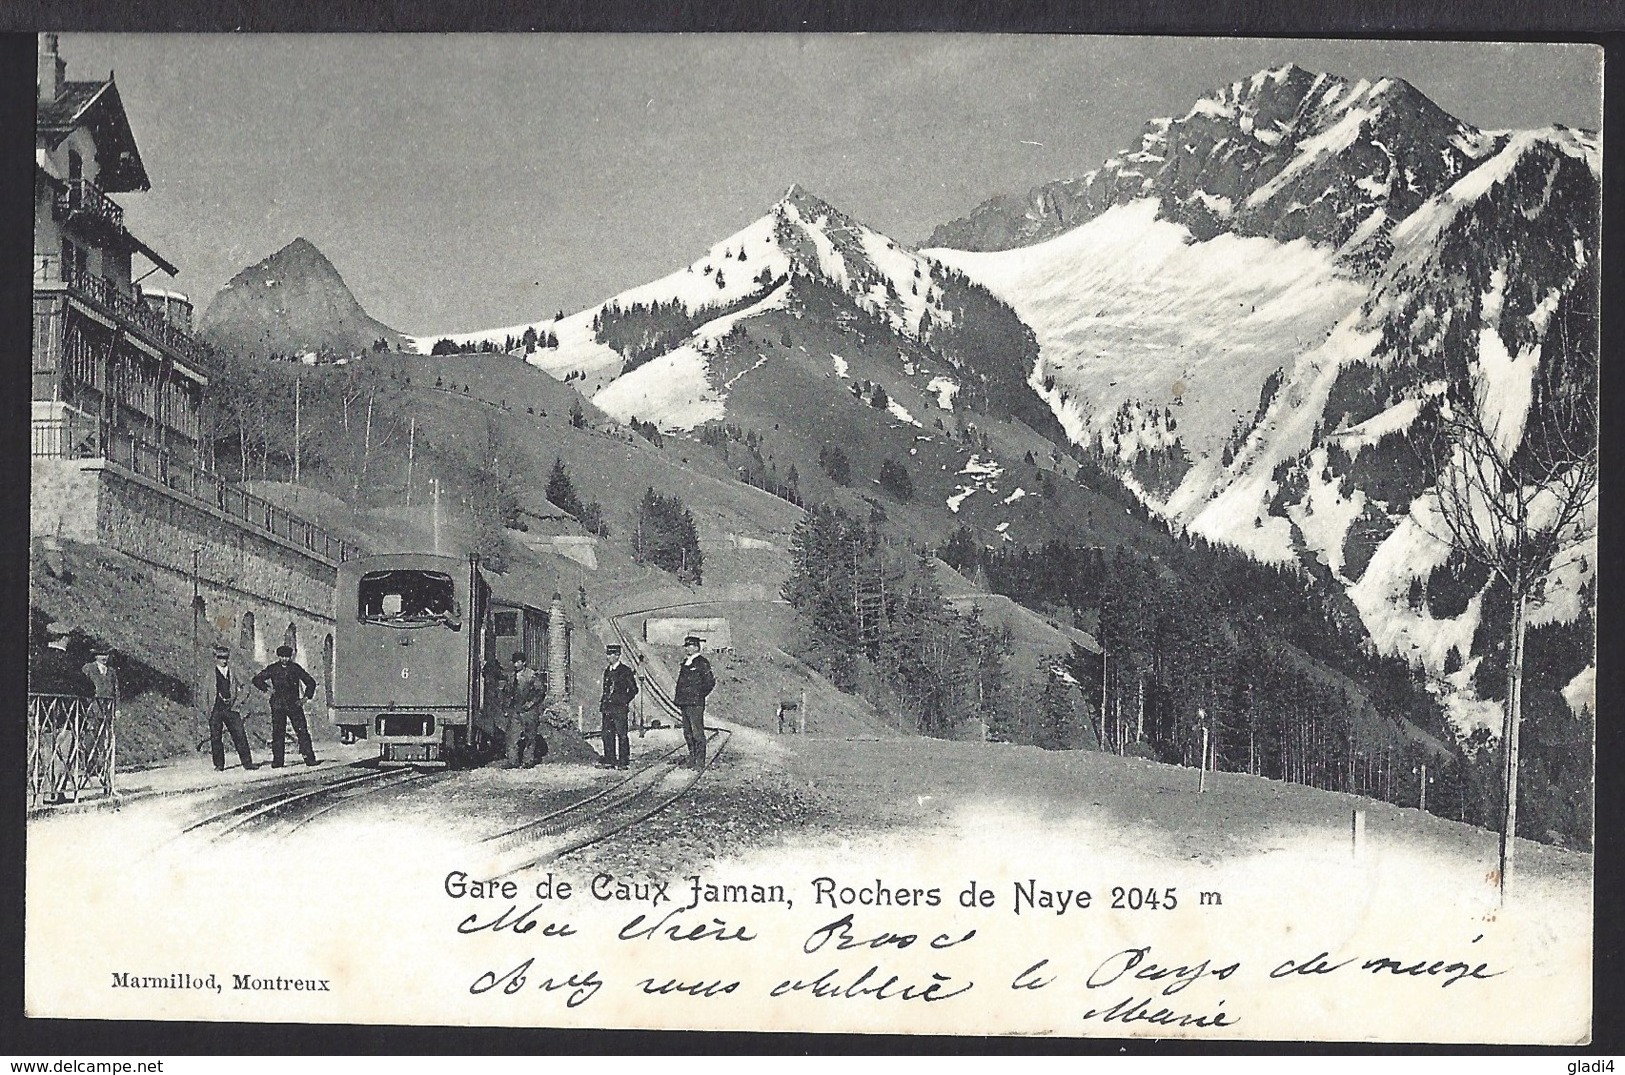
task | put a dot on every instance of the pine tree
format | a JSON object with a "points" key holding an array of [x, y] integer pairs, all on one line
{"points": [[895, 480], [1054, 710], [835, 464], [561, 490]]}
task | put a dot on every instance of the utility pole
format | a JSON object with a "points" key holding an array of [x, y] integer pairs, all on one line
{"points": [[1103, 729], [434, 484], [1201, 782], [197, 612], [411, 453], [297, 381]]}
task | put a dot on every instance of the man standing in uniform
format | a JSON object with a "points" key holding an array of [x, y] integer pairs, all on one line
{"points": [[694, 683], [620, 687], [526, 694], [221, 692], [291, 687]]}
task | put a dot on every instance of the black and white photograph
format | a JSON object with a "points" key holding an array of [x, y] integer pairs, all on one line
{"points": [[935, 534]]}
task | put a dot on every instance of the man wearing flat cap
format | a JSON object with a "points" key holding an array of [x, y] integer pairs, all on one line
{"points": [[291, 687], [620, 687], [220, 692], [103, 677], [694, 684], [527, 694], [103, 680], [52, 671]]}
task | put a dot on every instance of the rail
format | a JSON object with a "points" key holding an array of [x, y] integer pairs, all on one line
{"points": [[72, 747], [71, 438]]}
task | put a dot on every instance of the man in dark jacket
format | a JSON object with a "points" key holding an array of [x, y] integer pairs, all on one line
{"points": [[52, 671], [291, 687], [102, 676], [527, 694], [103, 680], [488, 723], [694, 683], [220, 693], [620, 687]]}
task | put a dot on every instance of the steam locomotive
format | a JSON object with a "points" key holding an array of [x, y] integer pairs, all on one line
{"points": [[413, 634]]}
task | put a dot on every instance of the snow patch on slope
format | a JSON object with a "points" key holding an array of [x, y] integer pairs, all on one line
{"points": [[673, 391], [1238, 510], [944, 390], [1324, 516], [1129, 307], [900, 412]]}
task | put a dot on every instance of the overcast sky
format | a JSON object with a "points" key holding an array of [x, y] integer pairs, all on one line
{"points": [[473, 181]]}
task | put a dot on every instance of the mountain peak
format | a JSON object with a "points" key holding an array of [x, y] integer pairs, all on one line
{"points": [[300, 245], [300, 250], [804, 200], [291, 302], [1285, 153]]}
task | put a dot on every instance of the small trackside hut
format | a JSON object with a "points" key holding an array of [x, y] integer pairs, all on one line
{"points": [[411, 633]]}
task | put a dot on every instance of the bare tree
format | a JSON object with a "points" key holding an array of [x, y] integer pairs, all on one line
{"points": [[1515, 494]]}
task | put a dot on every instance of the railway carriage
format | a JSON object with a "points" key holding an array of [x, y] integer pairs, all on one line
{"points": [[409, 638], [412, 633]]}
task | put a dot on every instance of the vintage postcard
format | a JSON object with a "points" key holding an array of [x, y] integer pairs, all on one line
{"points": [[946, 534]]}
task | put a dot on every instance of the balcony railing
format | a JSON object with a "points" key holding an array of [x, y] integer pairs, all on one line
{"points": [[85, 199], [72, 747], [69, 437], [130, 310]]}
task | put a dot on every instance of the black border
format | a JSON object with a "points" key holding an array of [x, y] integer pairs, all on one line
{"points": [[1592, 21]]}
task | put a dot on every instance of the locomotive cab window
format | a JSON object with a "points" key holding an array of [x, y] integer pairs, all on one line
{"points": [[408, 599], [506, 624]]}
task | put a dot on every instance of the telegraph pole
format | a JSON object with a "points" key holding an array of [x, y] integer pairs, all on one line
{"points": [[1201, 781], [411, 453], [197, 614], [298, 379]]}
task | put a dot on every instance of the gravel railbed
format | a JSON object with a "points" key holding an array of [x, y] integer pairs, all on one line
{"points": [[746, 800]]}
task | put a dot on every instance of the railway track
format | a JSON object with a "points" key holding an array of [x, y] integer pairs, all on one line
{"points": [[601, 816], [289, 808], [597, 817]]}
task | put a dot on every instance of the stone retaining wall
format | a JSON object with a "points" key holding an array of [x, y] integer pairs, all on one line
{"points": [[258, 590]]}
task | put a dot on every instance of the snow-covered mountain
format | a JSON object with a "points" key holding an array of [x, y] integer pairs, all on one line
{"points": [[1244, 317], [739, 277], [807, 331], [1286, 154], [1248, 314]]}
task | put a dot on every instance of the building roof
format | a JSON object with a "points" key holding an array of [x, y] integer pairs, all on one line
{"points": [[97, 105], [64, 112], [538, 506], [151, 255]]}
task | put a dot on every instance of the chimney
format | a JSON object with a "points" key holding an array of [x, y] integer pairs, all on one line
{"points": [[52, 69]]}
